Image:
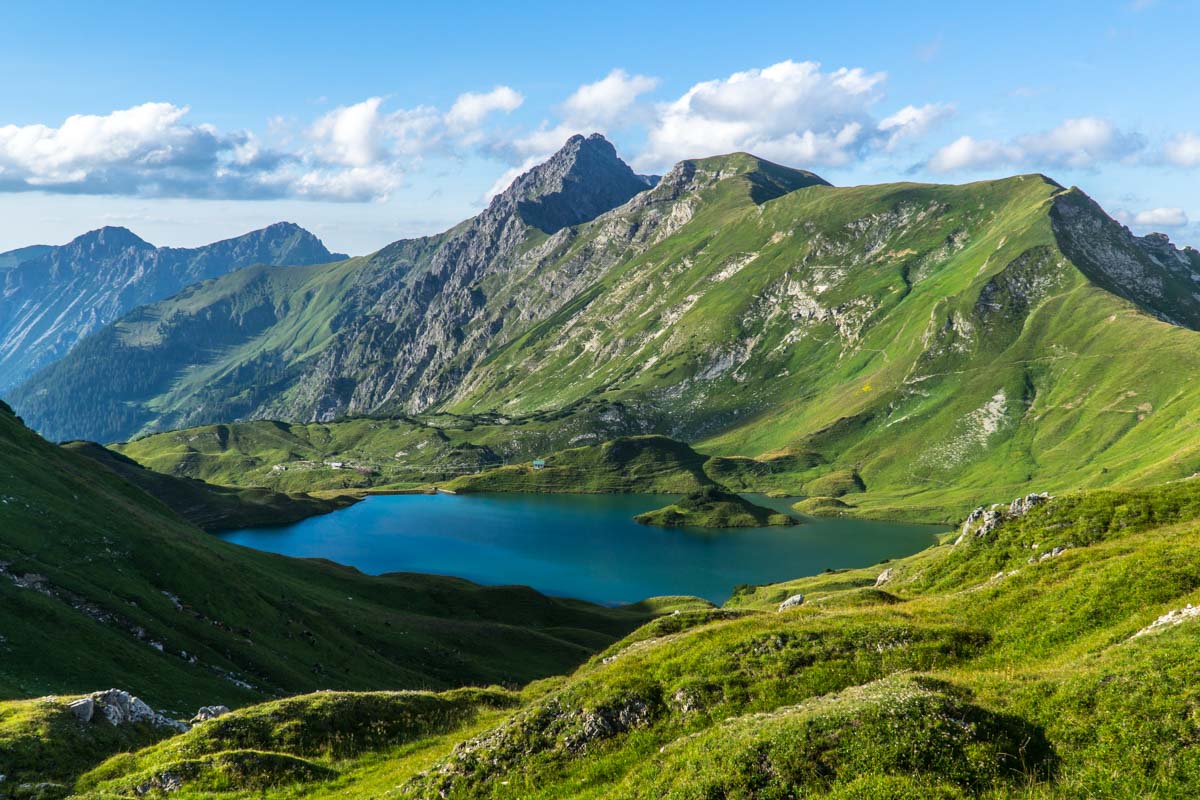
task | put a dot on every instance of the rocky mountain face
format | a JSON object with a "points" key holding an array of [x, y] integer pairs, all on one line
{"points": [[429, 309], [51, 297], [1147, 270], [12, 258]]}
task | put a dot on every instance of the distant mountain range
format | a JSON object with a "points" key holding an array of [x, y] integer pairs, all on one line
{"points": [[908, 337], [51, 297]]}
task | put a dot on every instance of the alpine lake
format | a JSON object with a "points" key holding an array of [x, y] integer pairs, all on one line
{"points": [[583, 546]]}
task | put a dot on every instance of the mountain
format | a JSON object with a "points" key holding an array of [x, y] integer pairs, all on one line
{"points": [[12, 258], [103, 585], [930, 344], [52, 297], [397, 330]]}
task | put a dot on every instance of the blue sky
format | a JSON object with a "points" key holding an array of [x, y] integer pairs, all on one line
{"points": [[368, 122]]}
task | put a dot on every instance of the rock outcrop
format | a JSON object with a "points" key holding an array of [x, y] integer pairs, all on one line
{"points": [[118, 707], [983, 521]]}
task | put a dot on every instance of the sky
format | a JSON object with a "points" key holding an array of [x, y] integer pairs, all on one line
{"points": [[368, 122]]}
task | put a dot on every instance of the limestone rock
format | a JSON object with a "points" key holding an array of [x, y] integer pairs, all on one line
{"points": [[209, 712], [884, 577], [118, 707], [794, 601], [83, 708], [983, 521]]}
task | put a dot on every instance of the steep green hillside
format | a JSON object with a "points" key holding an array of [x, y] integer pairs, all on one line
{"points": [[631, 464], [208, 506], [1047, 652], [101, 585]]}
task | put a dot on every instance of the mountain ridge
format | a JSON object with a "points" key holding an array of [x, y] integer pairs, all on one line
{"points": [[50, 301], [932, 339]]}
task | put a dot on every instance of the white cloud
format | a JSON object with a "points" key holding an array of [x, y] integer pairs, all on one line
{"points": [[352, 153], [471, 108], [913, 121], [603, 102], [1161, 217], [967, 153], [1183, 150], [1079, 143], [791, 111], [120, 151]]}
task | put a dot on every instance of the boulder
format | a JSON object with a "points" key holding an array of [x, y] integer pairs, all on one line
{"points": [[119, 707], [209, 712], [884, 577], [83, 708], [792, 602]]}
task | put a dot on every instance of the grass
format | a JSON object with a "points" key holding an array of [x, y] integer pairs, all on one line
{"points": [[630, 464], [713, 508], [948, 680], [208, 506]]}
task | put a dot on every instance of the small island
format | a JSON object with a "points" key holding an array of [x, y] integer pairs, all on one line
{"points": [[711, 507]]}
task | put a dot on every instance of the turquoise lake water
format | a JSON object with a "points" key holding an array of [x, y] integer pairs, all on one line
{"points": [[584, 546]]}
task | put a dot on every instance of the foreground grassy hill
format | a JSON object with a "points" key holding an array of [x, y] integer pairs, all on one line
{"points": [[1049, 651], [103, 585]]}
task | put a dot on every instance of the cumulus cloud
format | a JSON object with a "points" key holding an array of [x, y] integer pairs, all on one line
{"points": [[790, 111], [471, 108], [1160, 218], [913, 121], [355, 152], [124, 151], [603, 102], [967, 153], [1079, 143], [1183, 150]]}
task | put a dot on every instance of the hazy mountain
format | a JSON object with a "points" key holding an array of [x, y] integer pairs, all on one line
{"points": [[51, 297]]}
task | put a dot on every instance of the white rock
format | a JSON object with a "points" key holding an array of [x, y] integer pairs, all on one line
{"points": [[209, 712], [83, 708], [792, 602]]}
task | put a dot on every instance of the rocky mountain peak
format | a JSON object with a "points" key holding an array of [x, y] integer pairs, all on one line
{"points": [[108, 239], [584, 179]]}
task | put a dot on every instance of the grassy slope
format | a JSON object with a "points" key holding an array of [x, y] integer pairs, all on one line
{"points": [[978, 669], [208, 506], [631, 464], [97, 575], [173, 353], [713, 508], [394, 453]]}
